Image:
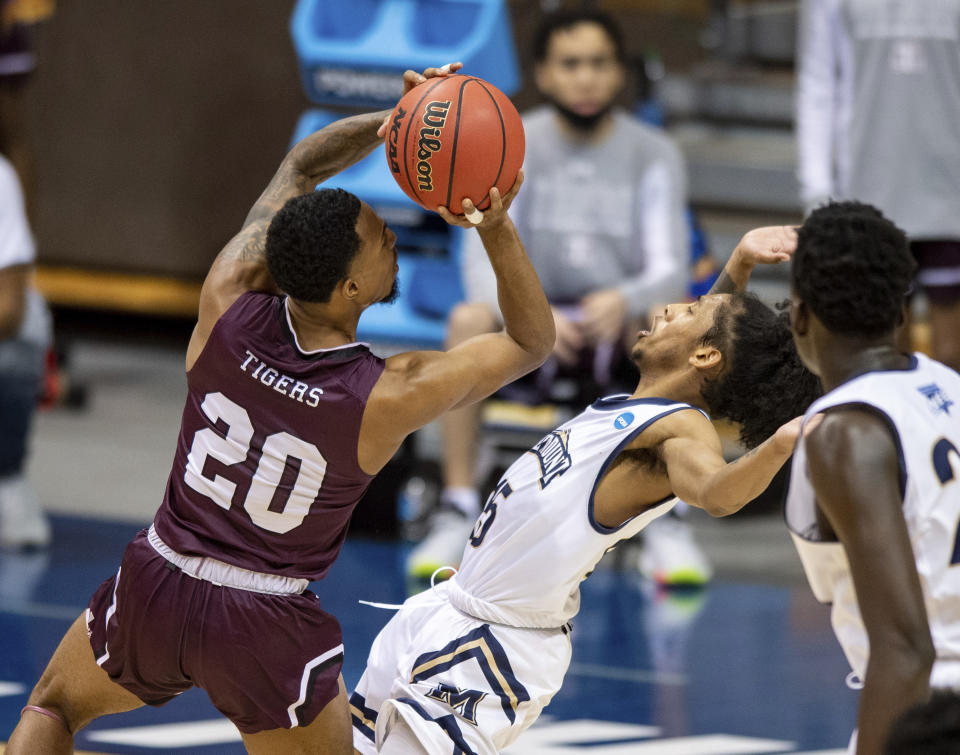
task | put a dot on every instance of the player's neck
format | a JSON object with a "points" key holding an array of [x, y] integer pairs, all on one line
{"points": [[843, 359], [675, 385], [317, 327]]}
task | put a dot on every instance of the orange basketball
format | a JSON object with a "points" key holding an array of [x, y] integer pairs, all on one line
{"points": [[454, 137]]}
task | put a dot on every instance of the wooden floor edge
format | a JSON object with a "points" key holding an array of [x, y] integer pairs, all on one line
{"points": [[160, 295], [124, 292]]}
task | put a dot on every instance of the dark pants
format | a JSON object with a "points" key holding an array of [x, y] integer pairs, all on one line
{"points": [[18, 399]]}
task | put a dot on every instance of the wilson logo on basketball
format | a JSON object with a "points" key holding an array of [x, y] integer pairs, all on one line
{"points": [[452, 138], [434, 116], [393, 137]]}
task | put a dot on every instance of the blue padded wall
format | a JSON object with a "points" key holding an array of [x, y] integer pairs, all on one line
{"points": [[350, 51]]}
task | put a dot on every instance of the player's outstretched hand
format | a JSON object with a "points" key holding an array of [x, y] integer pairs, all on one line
{"points": [[494, 215], [788, 433], [769, 245], [412, 78]]}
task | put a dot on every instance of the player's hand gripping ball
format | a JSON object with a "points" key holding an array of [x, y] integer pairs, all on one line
{"points": [[454, 137]]}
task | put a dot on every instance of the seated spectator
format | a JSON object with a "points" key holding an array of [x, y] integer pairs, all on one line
{"points": [[24, 340]]}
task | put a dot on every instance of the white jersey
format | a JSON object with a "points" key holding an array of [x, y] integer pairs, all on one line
{"points": [[537, 538], [470, 664], [922, 405]]}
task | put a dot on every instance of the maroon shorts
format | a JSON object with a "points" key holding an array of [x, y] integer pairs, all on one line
{"points": [[266, 661], [938, 273]]}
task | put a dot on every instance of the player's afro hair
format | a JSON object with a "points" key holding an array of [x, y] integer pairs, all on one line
{"points": [[853, 268], [932, 728], [764, 383], [311, 242]]}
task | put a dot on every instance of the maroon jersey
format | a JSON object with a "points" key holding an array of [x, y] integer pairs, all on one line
{"points": [[266, 473]]}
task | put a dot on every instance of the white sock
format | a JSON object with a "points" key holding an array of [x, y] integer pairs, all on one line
{"points": [[467, 500]]}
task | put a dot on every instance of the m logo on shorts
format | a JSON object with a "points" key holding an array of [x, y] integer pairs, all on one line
{"points": [[464, 701], [480, 647]]}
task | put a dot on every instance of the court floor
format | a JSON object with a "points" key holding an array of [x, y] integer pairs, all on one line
{"points": [[748, 665], [735, 668]]}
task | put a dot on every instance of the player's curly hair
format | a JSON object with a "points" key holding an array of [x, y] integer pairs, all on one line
{"points": [[853, 268], [764, 384], [565, 19], [311, 242]]}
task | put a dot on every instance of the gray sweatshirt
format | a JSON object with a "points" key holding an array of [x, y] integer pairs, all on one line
{"points": [[597, 215], [878, 109]]}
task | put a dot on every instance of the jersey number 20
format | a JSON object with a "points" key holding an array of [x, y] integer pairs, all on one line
{"points": [[280, 452]]}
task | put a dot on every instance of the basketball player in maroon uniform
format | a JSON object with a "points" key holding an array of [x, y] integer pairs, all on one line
{"points": [[287, 419]]}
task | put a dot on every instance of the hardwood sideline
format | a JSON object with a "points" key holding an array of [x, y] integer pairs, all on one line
{"points": [[121, 292], [159, 295]]}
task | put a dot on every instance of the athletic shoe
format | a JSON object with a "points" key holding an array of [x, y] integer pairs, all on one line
{"points": [[670, 556], [21, 572], [443, 545], [668, 618], [22, 522]]}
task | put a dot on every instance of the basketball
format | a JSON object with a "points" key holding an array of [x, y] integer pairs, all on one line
{"points": [[452, 138]]}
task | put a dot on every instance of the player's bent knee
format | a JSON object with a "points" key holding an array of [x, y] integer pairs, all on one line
{"points": [[48, 714], [469, 319], [49, 697]]}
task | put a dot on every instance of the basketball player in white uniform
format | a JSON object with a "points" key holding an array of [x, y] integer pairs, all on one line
{"points": [[467, 666], [874, 498]]}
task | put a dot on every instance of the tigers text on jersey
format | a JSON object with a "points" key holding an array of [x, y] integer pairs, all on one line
{"points": [[537, 538], [922, 405], [266, 475]]}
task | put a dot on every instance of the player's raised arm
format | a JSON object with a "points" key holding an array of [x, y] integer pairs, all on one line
{"points": [[241, 264], [417, 387], [769, 245]]}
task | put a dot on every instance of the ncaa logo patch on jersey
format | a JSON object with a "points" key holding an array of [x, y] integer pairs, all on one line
{"points": [[554, 456], [623, 421]]}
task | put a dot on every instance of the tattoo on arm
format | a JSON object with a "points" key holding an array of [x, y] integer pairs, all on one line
{"points": [[724, 284], [255, 248], [338, 146], [317, 157], [241, 265], [249, 247]]}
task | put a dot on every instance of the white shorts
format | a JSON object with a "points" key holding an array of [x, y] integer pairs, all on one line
{"points": [[455, 681]]}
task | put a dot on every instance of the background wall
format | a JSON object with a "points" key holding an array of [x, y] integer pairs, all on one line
{"points": [[154, 126]]}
